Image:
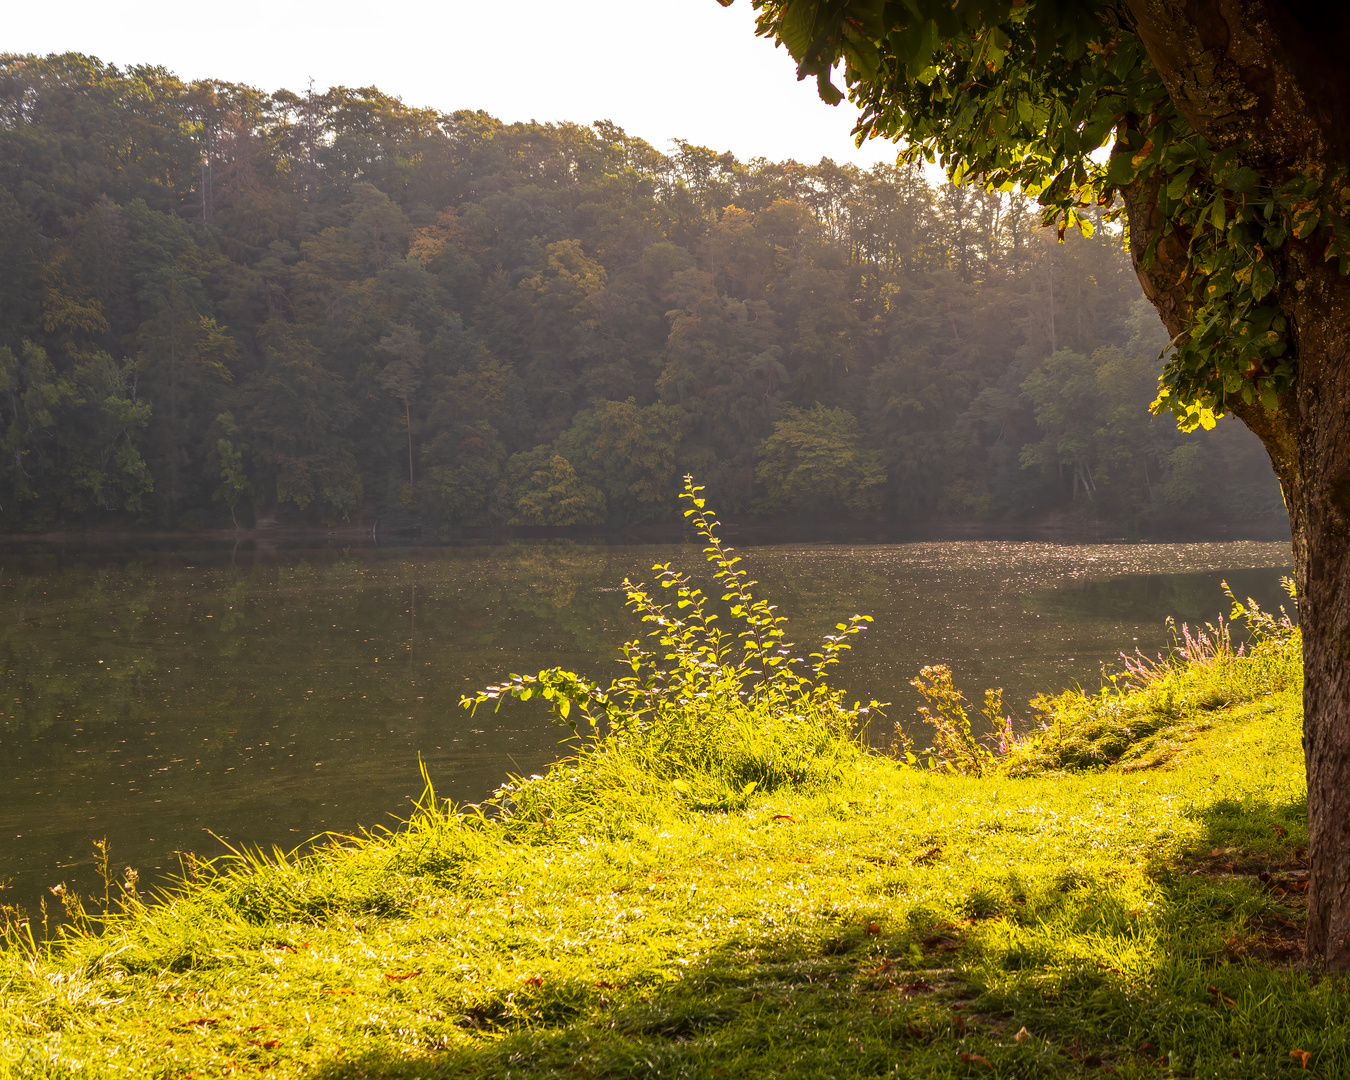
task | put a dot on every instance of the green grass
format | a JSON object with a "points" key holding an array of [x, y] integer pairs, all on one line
{"points": [[869, 919]]}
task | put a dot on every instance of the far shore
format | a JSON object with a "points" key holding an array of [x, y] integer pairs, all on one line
{"points": [[1052, 528]]}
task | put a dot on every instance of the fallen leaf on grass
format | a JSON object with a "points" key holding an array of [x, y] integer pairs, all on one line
{"points": [[1302, 1056], [341, 990], [403, 975], [882, 967], [873, 928], [1023, 1035], [1219, 996], [977, 1059], [202, 1021], [784, 817], [1280, 829], [534, 980]]}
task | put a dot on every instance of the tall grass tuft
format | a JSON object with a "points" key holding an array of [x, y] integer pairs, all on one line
{"points": [[1145, 711], [710, 710], [1139, 718]]}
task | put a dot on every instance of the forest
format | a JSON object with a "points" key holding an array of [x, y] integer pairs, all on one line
{"points": [[226, 307]]}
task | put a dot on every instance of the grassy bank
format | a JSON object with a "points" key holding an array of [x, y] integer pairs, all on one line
{"points": [[742, 890]]}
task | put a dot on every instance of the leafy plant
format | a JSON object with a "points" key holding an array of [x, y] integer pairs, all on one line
{"points": [[1262, 625], [700, 688], [955, 746]]}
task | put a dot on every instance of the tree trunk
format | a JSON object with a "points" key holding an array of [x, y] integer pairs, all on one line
{"points": [[1308, 439], [1318, 497], [407, 418], [1270, 78]]}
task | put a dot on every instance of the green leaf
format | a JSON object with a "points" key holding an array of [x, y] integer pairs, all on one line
{"points": [[1179, 185], [1244, 181], [828, 92], [1262, 279]]}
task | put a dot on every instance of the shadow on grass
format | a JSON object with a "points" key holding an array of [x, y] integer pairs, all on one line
{"points": [[1092, 985]]}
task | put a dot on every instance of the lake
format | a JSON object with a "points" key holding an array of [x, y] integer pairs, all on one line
{"points": [[161, 697]]}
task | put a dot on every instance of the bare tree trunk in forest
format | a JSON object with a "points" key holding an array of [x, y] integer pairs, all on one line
{"points": [[407, 419], [1252, 71]]}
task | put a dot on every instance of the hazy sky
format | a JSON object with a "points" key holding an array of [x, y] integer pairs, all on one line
{"points": [[661, 69]]}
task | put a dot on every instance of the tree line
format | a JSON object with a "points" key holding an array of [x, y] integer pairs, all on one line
{"points": [[221, 304]]}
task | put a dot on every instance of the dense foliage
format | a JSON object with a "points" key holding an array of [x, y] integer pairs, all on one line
{"points": [[217, 303]]}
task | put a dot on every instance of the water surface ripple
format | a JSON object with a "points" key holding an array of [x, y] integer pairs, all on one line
{"points": [[268, 697]]}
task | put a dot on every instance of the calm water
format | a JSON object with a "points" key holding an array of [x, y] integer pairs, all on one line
{"points": [[150, 699]]}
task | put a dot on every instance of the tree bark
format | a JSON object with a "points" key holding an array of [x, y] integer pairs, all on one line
{"points": [[1270, 76]]}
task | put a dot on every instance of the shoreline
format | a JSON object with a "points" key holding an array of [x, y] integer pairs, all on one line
{"points": [[1124, 890], [752, 531]]}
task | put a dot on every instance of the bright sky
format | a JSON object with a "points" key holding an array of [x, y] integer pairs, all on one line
{"points": [[661, 69]]}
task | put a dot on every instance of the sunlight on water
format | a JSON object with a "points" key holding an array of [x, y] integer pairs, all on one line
{"points": [[151, 698]]}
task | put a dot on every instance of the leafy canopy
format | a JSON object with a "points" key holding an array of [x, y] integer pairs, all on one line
{"points": [[1024, 94]]}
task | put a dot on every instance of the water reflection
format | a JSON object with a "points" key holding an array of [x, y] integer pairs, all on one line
{"points": [[152, 697]]}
